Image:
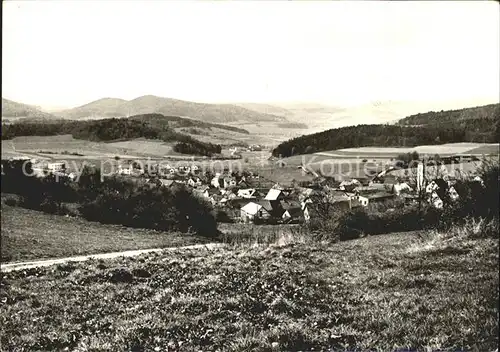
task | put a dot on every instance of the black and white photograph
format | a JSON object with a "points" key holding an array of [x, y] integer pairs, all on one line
{"points": [[250, 176]]}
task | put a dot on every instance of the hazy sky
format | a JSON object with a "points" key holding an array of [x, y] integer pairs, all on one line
{"points": [[67, 53]]}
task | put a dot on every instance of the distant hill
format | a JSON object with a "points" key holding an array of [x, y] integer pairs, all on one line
{"points": [[218, 113], [266, 109], [158, 120], [487, 112], [478, 125], [112, 129], [481, 123], [13, 110]]}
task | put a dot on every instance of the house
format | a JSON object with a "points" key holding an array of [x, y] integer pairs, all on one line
{"points": [[255, 148], [322, 207], [125, 170], [56, 167], [227, 196], [246, 193], [380, 187], [255, 211], [436, 201], [228, 182], [162, 182], [293, 215], [402, 188], [274, 195], [380, 197], [194, 182], [441, 189], [242, 183], [438, 186], [349, 185], [209, 192], [216, 181], [362, 200]]}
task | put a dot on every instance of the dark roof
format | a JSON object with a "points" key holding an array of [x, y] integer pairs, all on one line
{"points": [[441, 183], [265, 204], [295, 211], [290, 204]]}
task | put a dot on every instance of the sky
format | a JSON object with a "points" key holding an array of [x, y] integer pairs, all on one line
{"points": [[68, 53]]}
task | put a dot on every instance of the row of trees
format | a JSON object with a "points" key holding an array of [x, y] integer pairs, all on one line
{"points": [[159, 120], [476, 200], [115, 200], [199, 148]]}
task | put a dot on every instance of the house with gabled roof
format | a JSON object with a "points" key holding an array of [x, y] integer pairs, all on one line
{"points": [[194, 182], [246, 193], [274, 195], [255, 212]]}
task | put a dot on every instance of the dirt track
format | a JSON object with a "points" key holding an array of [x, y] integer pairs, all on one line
{"points": [[40, 263]]}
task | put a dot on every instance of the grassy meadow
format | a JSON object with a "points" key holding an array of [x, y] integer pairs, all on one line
{"points": [[421, 291], [29, 234]]}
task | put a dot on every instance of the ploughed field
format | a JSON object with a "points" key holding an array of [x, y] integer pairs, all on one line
{"points": [[384, 292]]}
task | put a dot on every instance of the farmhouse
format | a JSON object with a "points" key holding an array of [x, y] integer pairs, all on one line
{"points": [[275, 195], [256, 212]]}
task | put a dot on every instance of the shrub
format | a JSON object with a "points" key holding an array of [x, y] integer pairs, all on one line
{"points": [[132, 204], [13, 201]]}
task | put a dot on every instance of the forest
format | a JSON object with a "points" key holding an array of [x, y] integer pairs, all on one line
{"points": [[369, 136], [109, 130], [476, 125], [159, 120], [482, 123]]}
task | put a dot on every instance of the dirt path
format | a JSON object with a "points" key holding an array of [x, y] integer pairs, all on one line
{"points": [[40, 263]]}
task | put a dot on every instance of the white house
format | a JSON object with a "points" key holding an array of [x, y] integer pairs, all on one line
{"points": [[364, 201], [194, 182], [436, 201], [253, 211], [246, 193], [400, 188], [349, 185], [216, 180], [56, 167], [125, 170], [274, 194]]}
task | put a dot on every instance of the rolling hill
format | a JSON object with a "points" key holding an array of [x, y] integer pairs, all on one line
{"points": [[489, 113], [13, 110], [218, 113], [477, 125]]}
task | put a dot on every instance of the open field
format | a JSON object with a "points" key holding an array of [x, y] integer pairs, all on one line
{"points": [[385, 292], [443, 150], [259, 135], [29, 234], [269, 133], [35, 145]]}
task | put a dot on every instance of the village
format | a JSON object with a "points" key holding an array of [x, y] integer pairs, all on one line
{"points": [[247, 197]]}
